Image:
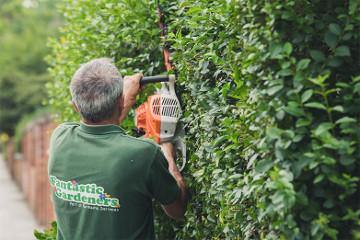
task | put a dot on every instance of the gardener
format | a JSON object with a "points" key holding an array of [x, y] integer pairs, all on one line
{"points": [[103, 180]]}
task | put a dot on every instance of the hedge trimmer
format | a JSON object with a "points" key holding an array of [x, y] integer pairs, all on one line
{"points": [[158, 118]]}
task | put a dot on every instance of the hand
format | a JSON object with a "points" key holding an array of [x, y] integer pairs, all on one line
{"points": [[132, 88]]}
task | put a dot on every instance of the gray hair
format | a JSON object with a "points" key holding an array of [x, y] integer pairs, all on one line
{"points": [[95, 89]]}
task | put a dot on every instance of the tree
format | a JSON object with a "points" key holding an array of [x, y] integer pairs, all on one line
{"points": [[24, 31]]}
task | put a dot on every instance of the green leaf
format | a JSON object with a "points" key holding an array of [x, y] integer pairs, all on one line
{"points": [[353, 6], [356, 78], [54, 225], [218, 141], [306, 95], [264, 165], [39, 235], [275, 51], [199, 173], [330, 141], [303, 122], [298, 138], [274, 132], [316, 105], [330, 39], [338, 109], [317, 55], [285, 72], [320, 79], [329, 203], [322, 128], [342, 51], [288, 48], [298, 77], [346, 120], [204, 67], [286, 64], [274, 89], [302, 64], [347, 161], [235, 176], [294, 110], [335, 28], [357, 88], [335, 62], [319, 178], [252, 160], [299, 165], [347, 36], [280, 114]]}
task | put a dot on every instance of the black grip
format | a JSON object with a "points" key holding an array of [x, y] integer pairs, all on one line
{"points": [[154, 79]]}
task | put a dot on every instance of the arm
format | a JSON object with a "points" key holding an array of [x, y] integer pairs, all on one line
{"points": [[131, 90], [177, 209]]}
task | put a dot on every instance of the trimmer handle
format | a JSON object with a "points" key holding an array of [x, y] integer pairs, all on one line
{"points": [[158, 78]]}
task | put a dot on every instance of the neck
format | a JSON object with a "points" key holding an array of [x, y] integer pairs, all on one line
{"points": [[112, 121]]}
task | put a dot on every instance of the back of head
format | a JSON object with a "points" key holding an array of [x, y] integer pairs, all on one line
{"points": [[95, 89]]}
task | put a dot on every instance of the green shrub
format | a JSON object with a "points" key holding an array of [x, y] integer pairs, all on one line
{"points": [[304, 79], [207, 56], [48, 234], [270, 93]]}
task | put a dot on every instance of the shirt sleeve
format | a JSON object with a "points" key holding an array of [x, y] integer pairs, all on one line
{"points": [[162, 185]]}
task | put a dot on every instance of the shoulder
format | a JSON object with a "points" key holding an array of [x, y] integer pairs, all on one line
{"points": [[63, 127], [66, 125], [144, 145], [148, 143]]}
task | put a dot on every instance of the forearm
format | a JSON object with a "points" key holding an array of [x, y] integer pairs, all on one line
{"points": [[174, 170], [131, 90], [128, 103], [181, 183], [177, 209]]}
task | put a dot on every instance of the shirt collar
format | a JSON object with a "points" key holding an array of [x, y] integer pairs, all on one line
{"points": [[101, 129]]}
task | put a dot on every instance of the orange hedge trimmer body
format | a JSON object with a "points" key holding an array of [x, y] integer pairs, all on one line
{"points": [[158, 117]]}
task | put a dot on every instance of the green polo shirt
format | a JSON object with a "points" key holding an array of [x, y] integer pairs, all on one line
{"points": [[103, 182]]}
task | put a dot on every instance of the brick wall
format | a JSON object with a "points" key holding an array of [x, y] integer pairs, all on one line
{"points": [[29, 168]]}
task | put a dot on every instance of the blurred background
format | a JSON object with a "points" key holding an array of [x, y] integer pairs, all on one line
{"points": [[25, 27]]}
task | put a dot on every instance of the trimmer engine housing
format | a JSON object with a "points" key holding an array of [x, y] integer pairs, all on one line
{"points": [[158, 117]]}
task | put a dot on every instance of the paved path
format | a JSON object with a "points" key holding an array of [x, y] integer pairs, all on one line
{"points": [[16, 219]]}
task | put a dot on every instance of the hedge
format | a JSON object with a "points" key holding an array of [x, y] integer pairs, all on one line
{"points": [[270, 92]]}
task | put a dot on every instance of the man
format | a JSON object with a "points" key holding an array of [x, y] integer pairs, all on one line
{"points": [[104, 180]]}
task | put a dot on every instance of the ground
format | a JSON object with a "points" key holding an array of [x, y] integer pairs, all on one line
{"points": [[16, 219]]}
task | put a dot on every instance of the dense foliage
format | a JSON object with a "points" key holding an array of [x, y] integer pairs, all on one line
{"points": [[305, 78], [24, 29], [270, 93]]}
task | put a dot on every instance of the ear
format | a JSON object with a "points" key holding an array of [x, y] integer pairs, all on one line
{"points": [[74, 106], [121, 103]]}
